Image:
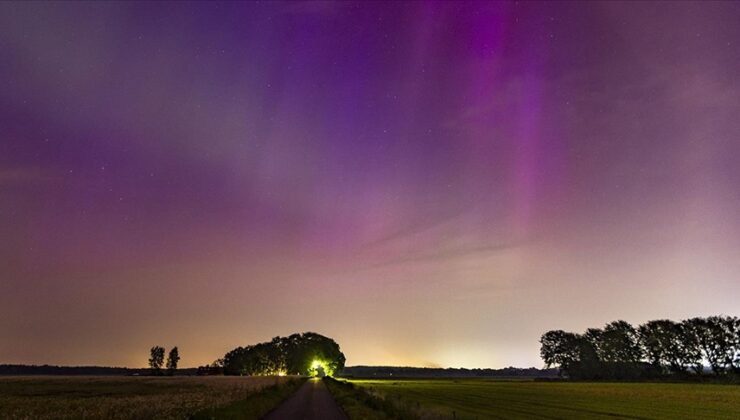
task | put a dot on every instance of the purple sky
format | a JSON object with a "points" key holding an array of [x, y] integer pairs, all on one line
{"points": [[428, 183]]}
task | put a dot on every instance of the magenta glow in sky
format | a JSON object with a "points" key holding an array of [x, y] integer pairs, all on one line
{"points": [[429, 183]]}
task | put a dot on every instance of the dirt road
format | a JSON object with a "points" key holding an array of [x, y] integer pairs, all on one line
{"points": [[312, 401]]}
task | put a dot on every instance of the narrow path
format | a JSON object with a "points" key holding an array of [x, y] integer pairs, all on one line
{"points": [[312, 401]]}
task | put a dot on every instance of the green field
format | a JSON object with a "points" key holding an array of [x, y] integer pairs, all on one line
{"points": [[101, 397], [479, 398]]}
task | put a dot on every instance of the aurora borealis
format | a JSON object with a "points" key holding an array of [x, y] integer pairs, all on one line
{"points": [[428, 183]]}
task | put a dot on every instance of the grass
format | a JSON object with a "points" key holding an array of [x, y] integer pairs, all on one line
{"points": [[101, 397], [254, 406], [359, 403], [484, 399]]}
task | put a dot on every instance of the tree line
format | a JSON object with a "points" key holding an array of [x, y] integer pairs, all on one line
{"points": [[428, 372], [655, 349], [71, 370], [298, 354], [156, 360]]}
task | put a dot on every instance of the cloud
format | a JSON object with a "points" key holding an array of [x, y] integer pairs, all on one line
{"points": [[414, 230], [455, 253]]}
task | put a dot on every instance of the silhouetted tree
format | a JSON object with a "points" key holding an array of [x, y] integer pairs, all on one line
{"points": [[612, 352], [589, 366], [559, 348], [736, 345], [719, 339], [731, 328], [620, 342], [618, 350], [661, 340], [689, 347], [702, 330], [670, 346], [156, 359], [595, 337], [172, 359]]}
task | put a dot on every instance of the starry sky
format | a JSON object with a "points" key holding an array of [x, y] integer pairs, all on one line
{"points": [[429, 183]]}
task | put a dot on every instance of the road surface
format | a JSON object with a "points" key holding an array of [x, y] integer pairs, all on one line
{"points": [[312, 401]]}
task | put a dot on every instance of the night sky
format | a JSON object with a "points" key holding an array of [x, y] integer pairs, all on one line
{"points": [[430, 184]]}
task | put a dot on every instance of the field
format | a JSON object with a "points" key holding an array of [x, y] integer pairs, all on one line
{"points": [[73, 397], [478, 398]]}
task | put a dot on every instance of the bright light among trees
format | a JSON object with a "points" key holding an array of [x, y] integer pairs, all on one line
{"points": [[320, 368], [308, 354]]}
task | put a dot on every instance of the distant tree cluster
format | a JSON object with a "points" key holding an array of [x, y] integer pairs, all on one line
{"points": [[426, 372], [298, 354], [656, 348], [215, 368], [68, 370], [156, 360]]}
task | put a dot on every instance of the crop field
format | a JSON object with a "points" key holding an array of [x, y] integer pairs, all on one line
{"points": [[97, 397], [483, 399]]}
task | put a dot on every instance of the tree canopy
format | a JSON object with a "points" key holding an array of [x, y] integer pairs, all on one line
{"points": [[172, 359], [659, 347], [308, 354], [156, 358]]}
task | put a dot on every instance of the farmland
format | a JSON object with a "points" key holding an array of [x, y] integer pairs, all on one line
{"points": [[71, 397], [480, 398]]}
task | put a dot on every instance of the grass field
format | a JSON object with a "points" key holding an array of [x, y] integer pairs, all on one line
{"points": [[362, 405], [483, 399], [101, 397]]}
